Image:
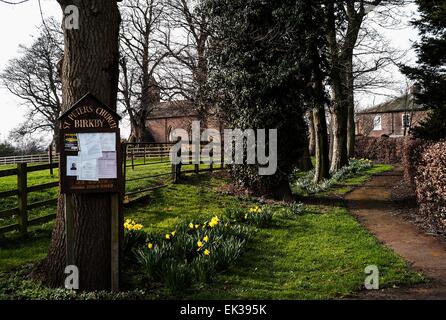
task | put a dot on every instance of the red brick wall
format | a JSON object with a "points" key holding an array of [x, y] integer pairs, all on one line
{"points": [[160, 128], [365, 123]]}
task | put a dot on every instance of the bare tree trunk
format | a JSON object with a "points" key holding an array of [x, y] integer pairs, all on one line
{"points": [[339, 157], [312, 142], [351, 128], [322, 170], [90, 65], [305, 163]]}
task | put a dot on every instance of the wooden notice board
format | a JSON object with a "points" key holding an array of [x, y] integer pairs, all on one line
{"points": [[90, 153]]}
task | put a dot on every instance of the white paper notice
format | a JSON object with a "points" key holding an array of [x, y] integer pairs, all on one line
{"points": [[89, 170], [108, 141], [90, 145], [107, 166], [73, 166]]}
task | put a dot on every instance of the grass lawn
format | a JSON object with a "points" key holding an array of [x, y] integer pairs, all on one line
{"points": [[318, 255]]}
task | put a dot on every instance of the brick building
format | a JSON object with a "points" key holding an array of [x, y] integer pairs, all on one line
{"points": [[394, 118], [168, 116]]}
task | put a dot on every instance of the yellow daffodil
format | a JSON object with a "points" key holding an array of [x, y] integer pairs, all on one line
{"points": [[173, 233], [214, 222], [168, 236], [191, 226], [197, 226], [131, 225], [246, 216], [200, 244], [207, 252], [150, 246], [206, 239]]}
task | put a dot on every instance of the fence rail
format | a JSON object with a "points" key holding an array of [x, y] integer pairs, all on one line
{"points": [[22, 192], [160, 174], [152, 151], [35, 158], [138, 152]]}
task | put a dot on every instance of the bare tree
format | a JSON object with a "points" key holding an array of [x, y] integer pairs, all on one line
{"points": [[345, 29], [187, 40], [34, 79], [141, 57]]}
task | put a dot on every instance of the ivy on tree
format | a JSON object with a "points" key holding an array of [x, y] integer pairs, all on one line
{"points": [[262, 71]]}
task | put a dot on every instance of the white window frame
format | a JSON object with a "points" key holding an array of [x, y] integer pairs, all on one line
{"points": [[408, 120], [375, 126]]}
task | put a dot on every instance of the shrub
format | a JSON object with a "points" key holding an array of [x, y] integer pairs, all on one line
{"points": [[429, 166], [411, 153], [382, 150]]}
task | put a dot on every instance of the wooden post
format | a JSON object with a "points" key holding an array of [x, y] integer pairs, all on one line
{"points": [[124, 169], [69, 230], [22, 186], [115, 242], [211, 159], [222, 143], [50, 150], [176, 170], [133, 159], [144, 154]]}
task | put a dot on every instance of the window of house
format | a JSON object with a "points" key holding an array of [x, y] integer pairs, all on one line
{"points": [[170, 134], [406, 120], [377, 123]]}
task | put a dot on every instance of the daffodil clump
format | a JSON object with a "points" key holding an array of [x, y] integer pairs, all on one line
{"points": [[134, 237], [192, 253], [258, 216], [131, 225]]}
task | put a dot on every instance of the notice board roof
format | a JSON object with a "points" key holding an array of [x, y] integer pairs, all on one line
{"points": [[89, 98]]}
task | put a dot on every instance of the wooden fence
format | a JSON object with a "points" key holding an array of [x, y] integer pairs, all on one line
{"points": [[22, 192], [136, 155], [34, 158], [144, 152], [153, 150]]}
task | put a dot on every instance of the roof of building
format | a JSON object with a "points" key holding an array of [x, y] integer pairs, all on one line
{"points": [[173, 109], [401, 104]]}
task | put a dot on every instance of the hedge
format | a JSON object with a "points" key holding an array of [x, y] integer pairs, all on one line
{"points": [[383, 150], [428, 165]]}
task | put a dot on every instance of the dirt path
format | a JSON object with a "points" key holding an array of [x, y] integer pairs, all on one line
{"points": [[373, 207]]}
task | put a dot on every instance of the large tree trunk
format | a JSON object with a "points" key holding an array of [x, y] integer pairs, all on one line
{"points": [[322, 170], [351, 128], [90, 65], [339, 157]]}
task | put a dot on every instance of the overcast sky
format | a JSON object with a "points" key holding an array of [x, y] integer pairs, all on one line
{"points": [[18, 26]]}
